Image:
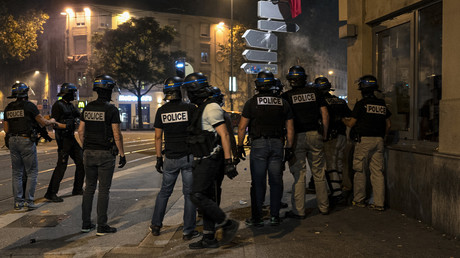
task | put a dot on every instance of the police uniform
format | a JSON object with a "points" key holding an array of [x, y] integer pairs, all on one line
{"points": [[337, 140], [20, 115], [66, 113], [98, 157], [371, 115], [173, 118], [267, 116], [306, 104]]}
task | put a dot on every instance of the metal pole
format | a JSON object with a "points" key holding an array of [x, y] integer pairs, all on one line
{"points": [[231, 55]]}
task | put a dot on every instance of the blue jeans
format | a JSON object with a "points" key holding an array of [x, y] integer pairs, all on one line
{"points": [[266, 156], [24, 164], [99, 166], [171, 169]]}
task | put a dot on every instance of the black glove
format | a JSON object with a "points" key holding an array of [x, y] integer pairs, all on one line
{"points": [[288, 154], [122, 162], [7, 140], [230, 169], [240, 153], [159, 165]]}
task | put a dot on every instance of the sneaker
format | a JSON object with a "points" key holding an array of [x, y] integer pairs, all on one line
{"points": [[204, 243], [31, 206], [18, 207], [292, 215], [155, 230], [254, 223], [360, 204], [102, 230], [377, 208], [53, 198], [191, 235], [88, 228], [275, 221], [229, 231]]}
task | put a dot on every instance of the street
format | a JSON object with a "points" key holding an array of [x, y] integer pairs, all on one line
{"points": [[139, 148]]}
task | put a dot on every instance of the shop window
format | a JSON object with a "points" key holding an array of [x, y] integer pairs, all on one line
{"points": [[409, 63], [145, 114]]}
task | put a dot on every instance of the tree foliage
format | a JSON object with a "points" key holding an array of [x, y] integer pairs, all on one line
{"points": [[238, 47], [136, 55], [18, 35]]}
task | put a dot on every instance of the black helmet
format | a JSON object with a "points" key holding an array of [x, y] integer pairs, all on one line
{"points": [[322, 84], [197, 87], [279, 86], [68, 88], [104, 82], [296, 76], [171, 88], [19, 90], [217, 95], [265, 81], [368, 82]]}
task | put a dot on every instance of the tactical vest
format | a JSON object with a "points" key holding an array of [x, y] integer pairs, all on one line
{"points": [[175, 117], [201, 142], [305, 107], [67, 111], [98, 128], [373, 120], [18, 120], [268, 117], [337, 109]]}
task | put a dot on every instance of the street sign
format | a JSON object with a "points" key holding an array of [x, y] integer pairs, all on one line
{"points": [[260, 56], [277, 26], [269, 10], [255, 68], [261, 39]]}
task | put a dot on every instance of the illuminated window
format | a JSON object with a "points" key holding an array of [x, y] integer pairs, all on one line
{"points": [[105, 20], [80, 19], [205, 49]]}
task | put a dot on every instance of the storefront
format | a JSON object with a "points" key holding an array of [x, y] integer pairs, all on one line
{"points": [[127, 104]]}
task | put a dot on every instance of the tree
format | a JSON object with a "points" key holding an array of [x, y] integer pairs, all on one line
{"points": [[18, 35], [135, 55]]}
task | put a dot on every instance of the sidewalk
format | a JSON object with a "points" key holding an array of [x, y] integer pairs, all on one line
{"points": [[53, 230]]}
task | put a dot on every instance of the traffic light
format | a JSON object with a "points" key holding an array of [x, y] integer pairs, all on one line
{"points": [[180, 68]]}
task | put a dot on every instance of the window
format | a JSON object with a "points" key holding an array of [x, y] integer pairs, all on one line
{"points": [[80, 19], [80, 45], [105, 20], [409, 63], [205, 50], [204, 29]]}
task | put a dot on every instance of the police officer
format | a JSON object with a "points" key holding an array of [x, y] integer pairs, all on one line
{"points": [[371, 121], [210, 144], [310, 112], [336, 135], [172, 120], [67, 116], [21, 116], [267, 116], [100, 133]]}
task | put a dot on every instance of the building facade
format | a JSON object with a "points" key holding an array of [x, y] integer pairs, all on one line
{"points": [[411, 47]]}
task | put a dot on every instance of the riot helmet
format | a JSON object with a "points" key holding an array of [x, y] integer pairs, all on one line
{"points": [[197, 87], [323, 85], [279, 86], [19, 90], [265, 81], [171, 88], [104, 82], [296, 76], [217, 95], [368, 83], [68, 91]]}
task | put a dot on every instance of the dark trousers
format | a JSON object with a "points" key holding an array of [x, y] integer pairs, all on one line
{"points": [[204, 191], [67, 146], [99, 166]]}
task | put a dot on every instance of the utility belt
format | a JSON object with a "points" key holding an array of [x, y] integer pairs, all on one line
{"points": [[268, 137], [202, 144]]}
